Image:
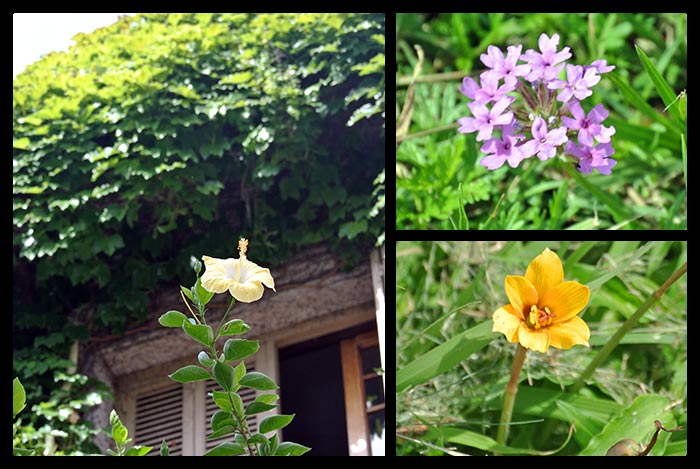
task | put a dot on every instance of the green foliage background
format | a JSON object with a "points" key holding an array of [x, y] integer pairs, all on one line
{"points": [[647, 189], [167, 136], [448, 291]]}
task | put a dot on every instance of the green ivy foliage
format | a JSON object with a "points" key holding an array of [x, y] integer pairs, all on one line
{"points": [[168, 136], [161, 135]]}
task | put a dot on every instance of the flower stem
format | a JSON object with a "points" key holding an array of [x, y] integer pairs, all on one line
{"points": [[626, 326], [509, 399], [223, 319]]}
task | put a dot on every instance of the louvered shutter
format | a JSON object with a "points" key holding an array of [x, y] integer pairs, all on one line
{"points": [[158, 417], [248, 396]]}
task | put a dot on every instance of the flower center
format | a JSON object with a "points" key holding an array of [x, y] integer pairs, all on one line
{"points": [[539, 318]]}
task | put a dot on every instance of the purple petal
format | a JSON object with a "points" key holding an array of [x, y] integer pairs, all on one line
{"points": [[557, 136], [576, 111], [556, 84], [501, 105], [489, 146], [598, 114], [547, 44], [492, 161], [469, 87], [601, 66], [468, 125], [571, 124], [581, 94], [539, 129], [573, 73], [575, 149], [565, 95], [503, 119], [515, 157], [561, 56], [591, 77], [485, 131], [546, 152], [606, 166], [584, 166], [605, 133]]}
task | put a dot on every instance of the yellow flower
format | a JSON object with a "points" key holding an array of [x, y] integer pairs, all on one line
{"points": [[242, 278], [543, 307]]}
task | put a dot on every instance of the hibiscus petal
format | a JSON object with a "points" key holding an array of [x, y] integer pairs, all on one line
{"points": [[507, 321], [521, 293], [545, 271], [566, 300], [534, 340], [246, 292], [565, 335], [215, 278]]}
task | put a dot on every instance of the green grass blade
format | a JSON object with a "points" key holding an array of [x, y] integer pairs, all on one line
{"points": [[540, 402], [637, 101], [684, 153], [586, 426], [483, 442], [444, 356], [636, 423], [614, 204], [665, 91]]}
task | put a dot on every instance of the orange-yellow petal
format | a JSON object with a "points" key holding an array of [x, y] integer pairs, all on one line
{"points": [[565, 300], [545, 271], [506, 321], [537, 340], [521, 293], [565, 335]]}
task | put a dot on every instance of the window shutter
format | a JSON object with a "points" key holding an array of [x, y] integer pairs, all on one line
{"points": [[158, 417], [248, 396]]}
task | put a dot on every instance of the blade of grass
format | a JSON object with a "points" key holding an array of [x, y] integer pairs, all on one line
{"points": [[663, 88], [444, 356], [636, 100], [483, 442], [614, 204], [684, 153]]}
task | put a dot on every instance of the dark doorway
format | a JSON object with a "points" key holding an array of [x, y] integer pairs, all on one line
{"points": [[311, 386]]}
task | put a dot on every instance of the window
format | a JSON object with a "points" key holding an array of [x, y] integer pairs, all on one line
{"points": [[364, 395], [178, 413]]}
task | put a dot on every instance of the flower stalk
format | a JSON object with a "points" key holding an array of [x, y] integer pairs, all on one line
{"points": [[509, 398]]}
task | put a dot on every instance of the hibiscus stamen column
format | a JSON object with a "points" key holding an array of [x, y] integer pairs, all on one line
{"points": [[509, 399]]}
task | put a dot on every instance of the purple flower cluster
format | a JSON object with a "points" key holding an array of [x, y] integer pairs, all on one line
{"points": [[538, 125]]}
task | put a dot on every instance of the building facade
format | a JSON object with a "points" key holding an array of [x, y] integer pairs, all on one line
{"points": [[321, 338]]}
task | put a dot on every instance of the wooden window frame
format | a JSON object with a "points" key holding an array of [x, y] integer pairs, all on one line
{"points": [[359, 436]]}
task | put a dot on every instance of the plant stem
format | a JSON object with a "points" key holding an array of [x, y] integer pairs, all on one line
{"points": [[626, 326], [509, 399], [223, 319]]}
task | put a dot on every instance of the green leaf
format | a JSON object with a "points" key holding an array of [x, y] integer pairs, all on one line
{"points": [[257, 407], [22, 452], [288, 448], [21, 143], [164, 450], [221, 419], [541, 402], [663, 88], [199, 332], [259, 381], [267, 398], [235, 327], [223, 374], [222, 401], [119, 433], [612, 202], [189, 374], [226, 449], [274, 443], [258, 439], [275, 422], [187, 292], [114, 418], [236, 349], [223, 431], [172, 319], [351, 229], [237, 403], [444, 357], [240, 371], [636, 422], [138, 450], [19, 397], [205, 359], [202, 294], [684, 155]]}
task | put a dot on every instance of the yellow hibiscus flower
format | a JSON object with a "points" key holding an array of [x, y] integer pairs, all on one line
{"points": [[543, 307], [242, 278]]}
